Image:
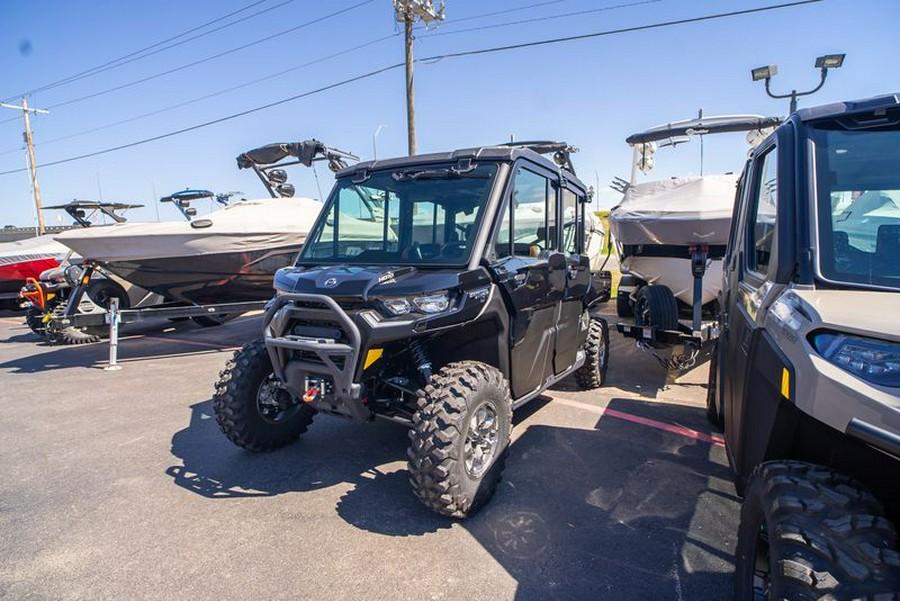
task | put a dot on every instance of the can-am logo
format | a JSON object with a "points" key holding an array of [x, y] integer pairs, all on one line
{"points": [[330, 283]]}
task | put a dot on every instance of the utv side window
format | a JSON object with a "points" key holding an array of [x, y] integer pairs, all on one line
{"points": [[764, 214], [525, 231], [573, 222]]}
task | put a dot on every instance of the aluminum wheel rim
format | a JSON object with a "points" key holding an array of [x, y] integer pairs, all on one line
{"points": [[274, 404], [482, 436]]}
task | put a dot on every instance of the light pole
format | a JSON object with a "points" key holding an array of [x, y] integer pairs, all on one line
{"points": [[828, 61], [374, 139]]}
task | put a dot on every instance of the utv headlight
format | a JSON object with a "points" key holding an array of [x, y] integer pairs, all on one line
{"points": [[875, 361], [397, 306], [433, 303]]}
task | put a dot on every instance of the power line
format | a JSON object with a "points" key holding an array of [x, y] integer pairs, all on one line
{"points": [[213, 94], [209, 58], [502, 12], [429, 59], [618, 31], [118, 61], [219, 120], [546, 18]]}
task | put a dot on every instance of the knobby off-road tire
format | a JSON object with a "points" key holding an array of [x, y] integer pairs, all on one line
{"points": [[807, 532], [596, 361], [34, 319], [656, 306], [467, 406], [72, 335], [239, 408]]}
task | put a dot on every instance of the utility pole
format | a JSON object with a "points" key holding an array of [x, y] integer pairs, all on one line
{"points": [[407, 13], [32, 165]]}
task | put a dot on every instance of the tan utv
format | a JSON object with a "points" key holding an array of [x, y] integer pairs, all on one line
{"points": [[805, 379]]}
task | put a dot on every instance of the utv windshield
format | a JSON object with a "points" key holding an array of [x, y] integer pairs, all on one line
{"points": [[411, 216], [858, 182]]}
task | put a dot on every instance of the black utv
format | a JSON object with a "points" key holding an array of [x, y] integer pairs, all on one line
{"points": [[440, 291]]}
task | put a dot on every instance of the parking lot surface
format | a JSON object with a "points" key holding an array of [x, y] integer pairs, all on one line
{"points": [[119, 484]]}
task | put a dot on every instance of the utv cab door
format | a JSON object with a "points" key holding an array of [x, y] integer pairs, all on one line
{"points": [[531, 273], [571, 331], [748, 281]]}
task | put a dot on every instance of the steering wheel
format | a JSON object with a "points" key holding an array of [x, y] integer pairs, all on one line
{"points": [[414, 252]]}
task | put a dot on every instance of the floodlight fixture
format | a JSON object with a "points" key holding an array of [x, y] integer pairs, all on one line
{"points": [[823, 63], [830, 61], [764, 72]]}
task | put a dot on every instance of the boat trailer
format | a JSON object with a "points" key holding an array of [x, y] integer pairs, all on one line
{"points": [[692, 336]]}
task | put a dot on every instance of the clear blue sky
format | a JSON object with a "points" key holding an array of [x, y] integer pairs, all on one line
{"points": [[591, 93]]}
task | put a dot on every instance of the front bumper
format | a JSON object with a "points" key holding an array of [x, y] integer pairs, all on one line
{"points": [[297, 357]]}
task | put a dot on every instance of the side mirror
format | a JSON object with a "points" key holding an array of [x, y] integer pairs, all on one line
{"points": [[285, 190], [190, 211]]}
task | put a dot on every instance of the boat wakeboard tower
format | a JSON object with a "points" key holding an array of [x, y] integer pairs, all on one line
{"points": [[266, 162]]}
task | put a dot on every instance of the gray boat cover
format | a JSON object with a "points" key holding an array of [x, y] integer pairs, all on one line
{"points": [[680, 211], [241, 226], [31, 249]]}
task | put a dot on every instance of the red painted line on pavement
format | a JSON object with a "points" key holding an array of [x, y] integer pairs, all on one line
{"points": [[652, 423], [194, 342]]}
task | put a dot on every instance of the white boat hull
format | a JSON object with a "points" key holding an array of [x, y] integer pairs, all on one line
{"points": [[676, 274]]}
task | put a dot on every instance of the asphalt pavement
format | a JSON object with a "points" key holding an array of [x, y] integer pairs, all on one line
{"points": [[118, 484]]}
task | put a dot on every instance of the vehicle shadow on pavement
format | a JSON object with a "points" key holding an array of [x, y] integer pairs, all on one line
{"points": [[214, 468], [620, 511]]}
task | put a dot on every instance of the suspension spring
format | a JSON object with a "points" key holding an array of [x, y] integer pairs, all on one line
{"points": [[420, 359]]}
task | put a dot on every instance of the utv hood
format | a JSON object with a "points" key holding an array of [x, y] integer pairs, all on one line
{"points": [[862, 312], [349, 281]]}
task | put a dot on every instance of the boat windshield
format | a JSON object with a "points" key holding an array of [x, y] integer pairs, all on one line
{"points": [[858, 190], [421, 216]]}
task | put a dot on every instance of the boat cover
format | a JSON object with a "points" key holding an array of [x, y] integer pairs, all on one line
{"points": [[680, 211], [242, 226], [31, 249]]}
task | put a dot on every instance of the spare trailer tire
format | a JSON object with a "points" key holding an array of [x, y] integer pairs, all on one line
{"points": [[656, 306], [102, 291]]}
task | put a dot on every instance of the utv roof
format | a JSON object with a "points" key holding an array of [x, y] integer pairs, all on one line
{"points": [[850, 107], [500, 152]]}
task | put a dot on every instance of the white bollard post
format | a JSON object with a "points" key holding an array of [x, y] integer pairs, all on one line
{"points": [[113, 316]]}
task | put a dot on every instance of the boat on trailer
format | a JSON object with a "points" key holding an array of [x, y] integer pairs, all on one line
{"points": [[27, 259], [671, 234], [226, 256]]}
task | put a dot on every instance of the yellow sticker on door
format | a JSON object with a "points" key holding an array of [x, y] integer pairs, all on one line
{"points": [[785, 383]]}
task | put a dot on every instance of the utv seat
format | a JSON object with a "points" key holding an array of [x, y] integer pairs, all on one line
{"points": [[887, 250]]}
